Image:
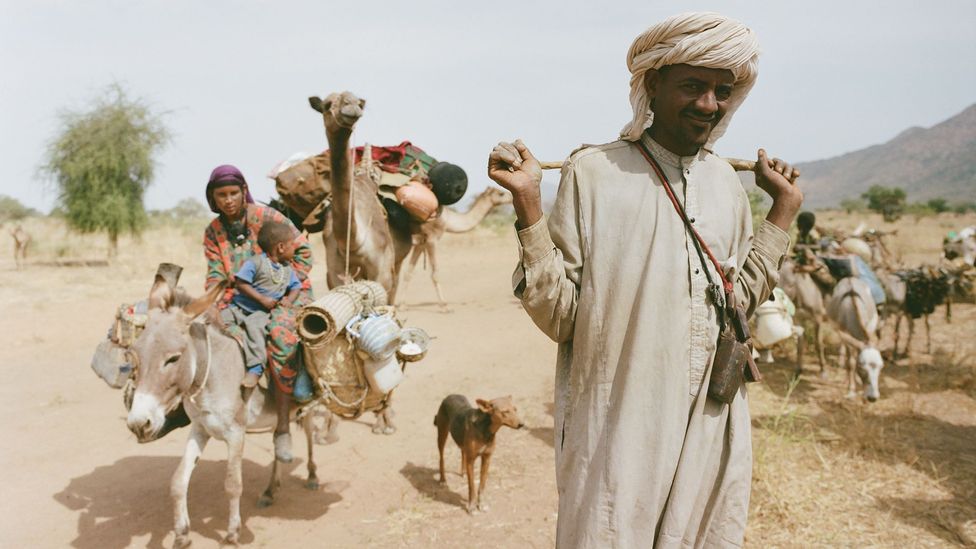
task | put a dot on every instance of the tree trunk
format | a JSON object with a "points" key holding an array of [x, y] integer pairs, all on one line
{"points": [[113, 244]]}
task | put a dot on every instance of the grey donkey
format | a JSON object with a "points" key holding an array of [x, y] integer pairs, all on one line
{"points": [[181, 359]]}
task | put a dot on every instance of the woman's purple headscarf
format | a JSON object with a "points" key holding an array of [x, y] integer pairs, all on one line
{"points": [[222, 176]]}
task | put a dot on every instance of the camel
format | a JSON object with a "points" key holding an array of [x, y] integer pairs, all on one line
{"points": [[426, 235], [358, 242], [22, 240]]}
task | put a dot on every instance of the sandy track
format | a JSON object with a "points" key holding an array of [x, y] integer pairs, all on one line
{"points": [[838, 474]]}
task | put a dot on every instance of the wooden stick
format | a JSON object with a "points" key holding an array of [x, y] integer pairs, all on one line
{"points": [[737, 164]]}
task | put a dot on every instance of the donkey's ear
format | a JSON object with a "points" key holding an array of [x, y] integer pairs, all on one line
{"points": [[317, 104], [161, 295], [362, 103], [199, 305]]}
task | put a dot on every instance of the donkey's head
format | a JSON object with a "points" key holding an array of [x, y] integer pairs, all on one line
{"points": [[164, 357]]}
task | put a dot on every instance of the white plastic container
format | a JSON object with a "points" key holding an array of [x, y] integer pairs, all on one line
{"points": [[383, 375], [773, 324]]}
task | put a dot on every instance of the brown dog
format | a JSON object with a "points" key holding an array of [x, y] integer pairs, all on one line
{"points": [[473, 429]]}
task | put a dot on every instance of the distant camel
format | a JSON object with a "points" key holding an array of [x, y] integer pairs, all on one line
{"points": [[22, 240], [426, 235]]}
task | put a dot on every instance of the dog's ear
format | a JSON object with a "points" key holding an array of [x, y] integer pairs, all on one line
{"points": [[485, 406]]}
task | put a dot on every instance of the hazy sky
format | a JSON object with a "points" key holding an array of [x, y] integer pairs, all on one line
{"points": [[456, 77]]}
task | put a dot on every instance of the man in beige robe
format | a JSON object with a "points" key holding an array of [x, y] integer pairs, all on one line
{"points": [[643, 457]]}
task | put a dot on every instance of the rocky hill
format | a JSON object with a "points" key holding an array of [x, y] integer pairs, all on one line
{"points": [[936, 162]]}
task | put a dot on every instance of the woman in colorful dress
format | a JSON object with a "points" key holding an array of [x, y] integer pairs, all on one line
{"points": [[229, 240]]}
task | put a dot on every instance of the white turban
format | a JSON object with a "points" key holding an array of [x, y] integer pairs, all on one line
{"points": [[698, 39]]}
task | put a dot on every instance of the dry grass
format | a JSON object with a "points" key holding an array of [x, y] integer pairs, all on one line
{"points": [[828, 471]]}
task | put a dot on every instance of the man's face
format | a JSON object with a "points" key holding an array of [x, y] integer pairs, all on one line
{"points": [[229, 200], [688, 102]]}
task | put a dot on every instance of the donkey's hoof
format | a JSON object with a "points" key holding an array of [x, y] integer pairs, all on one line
{"points": [[181, 541], [232, 538], [312, 484], [389, 430], [378, 429], [265, 501]]}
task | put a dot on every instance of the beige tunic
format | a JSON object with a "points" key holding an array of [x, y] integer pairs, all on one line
{"points": [[614, 278]]}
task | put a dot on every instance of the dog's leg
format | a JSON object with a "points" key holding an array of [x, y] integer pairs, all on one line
{"points": [[469, 470], [483, 481], [441, 442]]}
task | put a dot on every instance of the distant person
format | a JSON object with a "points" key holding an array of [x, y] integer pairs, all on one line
{"points": [[228, 242], [644, 457]]}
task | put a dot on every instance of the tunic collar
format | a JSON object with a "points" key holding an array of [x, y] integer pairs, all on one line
{"points": [[667, 157]]}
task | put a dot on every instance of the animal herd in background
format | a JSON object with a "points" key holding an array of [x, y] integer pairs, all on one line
{"points": [[868, 290]]}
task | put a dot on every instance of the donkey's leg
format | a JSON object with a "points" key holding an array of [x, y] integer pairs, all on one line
{"points": [[195, 443], [234, 485], [309, 427], [821, 356], [267, 498], [849, 362], [894, 352], [928, 336]]}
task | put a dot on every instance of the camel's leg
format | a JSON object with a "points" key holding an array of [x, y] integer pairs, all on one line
{"points": [[312, 483], [331, 428], [432, 255], [407, 273], [388, 427], [179, 485], [949, 308], [234, 485]]}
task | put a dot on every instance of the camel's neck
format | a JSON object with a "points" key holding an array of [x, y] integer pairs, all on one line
{"points": [[341, 167], [457, 222]]}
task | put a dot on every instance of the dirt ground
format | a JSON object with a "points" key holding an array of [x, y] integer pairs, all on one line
{"points": [[829, 472]]}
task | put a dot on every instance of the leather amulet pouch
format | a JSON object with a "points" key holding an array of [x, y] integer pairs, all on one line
{"points": [[733, 363]]}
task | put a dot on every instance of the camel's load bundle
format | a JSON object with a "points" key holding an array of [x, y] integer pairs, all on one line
{"points": [[925, 289], [407, 177], [354, 348]]}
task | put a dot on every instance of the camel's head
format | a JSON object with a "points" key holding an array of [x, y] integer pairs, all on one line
{"points": [[164, 357], [339, 110], [497, 196]]}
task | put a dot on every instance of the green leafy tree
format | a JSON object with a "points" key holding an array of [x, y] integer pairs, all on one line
{"points": [[102, 161], [12, 210], [888, 201], [851, 205], [938, 205]]}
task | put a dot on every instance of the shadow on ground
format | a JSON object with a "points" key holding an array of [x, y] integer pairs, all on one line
{"points": [[130, 498], [424, 480]]}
